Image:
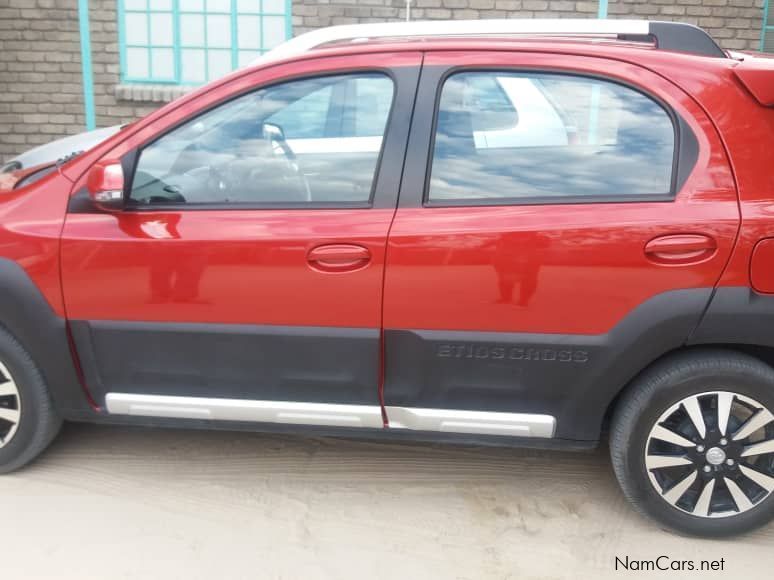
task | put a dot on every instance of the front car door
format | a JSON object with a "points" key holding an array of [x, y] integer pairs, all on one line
{"points": [[562, 222], [243, 280]]}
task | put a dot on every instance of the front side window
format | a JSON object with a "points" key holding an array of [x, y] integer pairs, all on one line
{"points": [[302, 142], [522, 136], [194, 41]]}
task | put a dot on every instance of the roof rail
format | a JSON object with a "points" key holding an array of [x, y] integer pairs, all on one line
{"points": [[665, 35]]}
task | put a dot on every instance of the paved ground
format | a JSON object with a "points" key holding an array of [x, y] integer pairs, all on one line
{"points": [[111, 503]]}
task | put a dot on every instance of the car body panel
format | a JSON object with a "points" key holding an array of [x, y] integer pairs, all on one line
{"points": [[236, 282], [478, 311], [595, 248], [743, 123], [588, 311]]}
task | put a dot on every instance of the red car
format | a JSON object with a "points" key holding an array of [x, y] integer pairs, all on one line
{"points": [[502, 232]]}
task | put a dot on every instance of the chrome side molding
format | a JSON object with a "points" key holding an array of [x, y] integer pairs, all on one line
{"points": [[472, 422], [369, 416], [245, 410]]}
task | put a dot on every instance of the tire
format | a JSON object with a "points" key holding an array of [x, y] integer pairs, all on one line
{"points": [[681, 394], [36, 422]]}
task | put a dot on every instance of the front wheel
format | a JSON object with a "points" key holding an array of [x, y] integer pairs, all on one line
{"points": [[28, 421], [692, 443]]}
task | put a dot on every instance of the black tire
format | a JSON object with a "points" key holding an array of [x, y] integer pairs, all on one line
{"points": [[655, 391], [38, 422]]}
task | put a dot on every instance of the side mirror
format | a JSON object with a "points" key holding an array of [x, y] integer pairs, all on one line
{"points": [[106, 185]]}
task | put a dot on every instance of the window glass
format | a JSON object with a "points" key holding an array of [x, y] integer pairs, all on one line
{"points": [[532, 135], [306, 141], [357, 109], [306, 117]]}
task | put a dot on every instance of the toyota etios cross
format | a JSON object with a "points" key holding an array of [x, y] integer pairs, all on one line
{"points": [[507, 232]]}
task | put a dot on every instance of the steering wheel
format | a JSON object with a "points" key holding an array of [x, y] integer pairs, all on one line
{"points": [[211, 179]]}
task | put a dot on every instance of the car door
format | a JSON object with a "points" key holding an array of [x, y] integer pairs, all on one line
{"points": [[562, 223], [243, 279]]}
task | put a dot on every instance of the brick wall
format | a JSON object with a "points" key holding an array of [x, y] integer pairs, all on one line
{"points": [[736, 24], [40, 83], [39, 67], [41, 96]]}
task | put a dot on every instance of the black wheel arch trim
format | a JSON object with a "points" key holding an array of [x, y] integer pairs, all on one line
{"points": [[737, 315], [28, 316]]}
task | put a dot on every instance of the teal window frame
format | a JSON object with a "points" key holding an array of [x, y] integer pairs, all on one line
{"points": [[176, 45], [768, 23]]}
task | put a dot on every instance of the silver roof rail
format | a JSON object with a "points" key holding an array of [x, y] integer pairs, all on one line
{"points": [[666, 35]]}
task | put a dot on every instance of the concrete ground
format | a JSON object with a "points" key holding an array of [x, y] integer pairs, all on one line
{"points": [[110, 503]]}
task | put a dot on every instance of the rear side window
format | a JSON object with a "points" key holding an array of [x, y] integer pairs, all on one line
{"points": [[533, 136]]}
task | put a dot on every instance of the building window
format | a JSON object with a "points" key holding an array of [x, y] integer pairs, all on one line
{"points": [[194, 41], [767, 36]]}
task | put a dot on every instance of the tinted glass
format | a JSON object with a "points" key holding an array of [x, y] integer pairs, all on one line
{"points": [[309, 141], [525, 135]]}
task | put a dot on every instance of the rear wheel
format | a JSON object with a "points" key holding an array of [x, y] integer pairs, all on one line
{"points": [[692, 443], [28, 421]]}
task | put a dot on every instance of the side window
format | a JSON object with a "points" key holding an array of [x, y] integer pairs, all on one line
{"points": [[356, 107], [521, 136], [279, 145], [307, 117]]}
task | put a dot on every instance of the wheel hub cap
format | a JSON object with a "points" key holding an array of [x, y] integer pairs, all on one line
{"points": [[711, 455], [10, 406], [716, 456]]}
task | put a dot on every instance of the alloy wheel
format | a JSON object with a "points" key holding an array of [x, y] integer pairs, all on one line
{"points": [[711, 455], [10, 406]]}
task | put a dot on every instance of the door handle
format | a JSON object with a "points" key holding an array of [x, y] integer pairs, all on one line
{"points": [[338, 257], [680, 248]]}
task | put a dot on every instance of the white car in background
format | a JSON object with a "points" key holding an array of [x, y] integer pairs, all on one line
{"points": [[59, 149]]}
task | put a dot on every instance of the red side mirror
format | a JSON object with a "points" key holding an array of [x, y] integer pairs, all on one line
{"points": [[106, 185]]}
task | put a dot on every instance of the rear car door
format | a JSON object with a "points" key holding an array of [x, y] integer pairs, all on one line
{"points": [[562, 222], [243, 279]]}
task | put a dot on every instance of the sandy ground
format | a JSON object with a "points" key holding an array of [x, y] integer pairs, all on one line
{"points": [[112, 503]]}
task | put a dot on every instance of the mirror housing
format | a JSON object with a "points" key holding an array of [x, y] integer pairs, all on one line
{"points": [[106, 185]]}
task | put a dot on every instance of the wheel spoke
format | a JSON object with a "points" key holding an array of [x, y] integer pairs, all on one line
{"points": [[710, 419], [677, 491], [703, 504], [8, 388], [762, 418], [765, 481], [743, 503], [660, 461], [664, 434], [759, 448], [693, 409], [11, 415], [725, 400]]}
